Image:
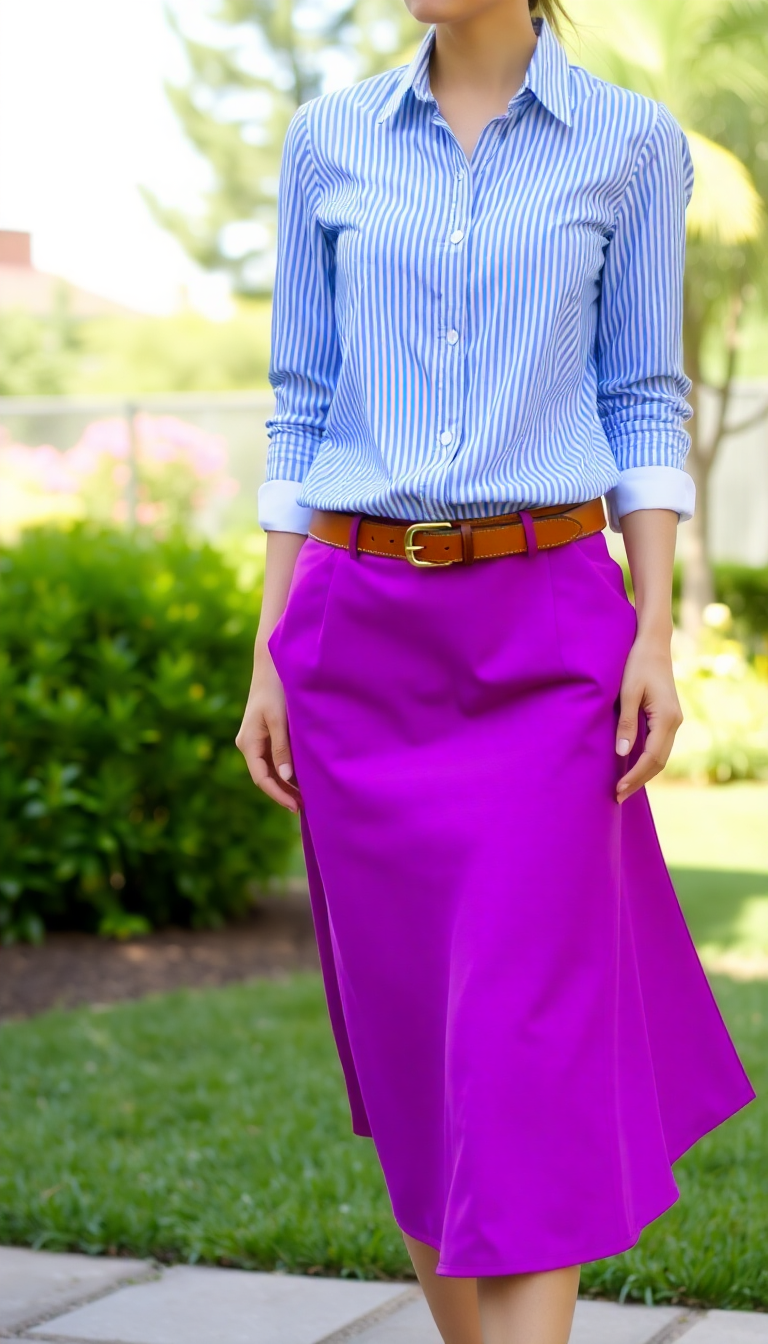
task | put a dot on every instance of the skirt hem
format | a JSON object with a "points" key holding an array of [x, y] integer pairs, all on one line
{"points": [[577, 1258], [707, 1126], [464, 1272]]}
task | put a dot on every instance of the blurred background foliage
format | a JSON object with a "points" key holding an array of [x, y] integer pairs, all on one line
{"points": [[724, 699], [125, 804], [242, 90], [127, 356], [41, 355], [184, 352]]}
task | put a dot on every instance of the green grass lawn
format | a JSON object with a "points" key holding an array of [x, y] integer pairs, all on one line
{"points": [[213, 1126], [205, 1125], [716, 843]]}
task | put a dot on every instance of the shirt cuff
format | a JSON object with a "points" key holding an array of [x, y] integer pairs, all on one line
{"points": [[279, 510], [651, 488]]}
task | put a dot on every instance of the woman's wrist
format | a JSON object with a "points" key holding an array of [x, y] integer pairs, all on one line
{"points": [[655, 630], [282, 552], [261, 654], [649, 537]]}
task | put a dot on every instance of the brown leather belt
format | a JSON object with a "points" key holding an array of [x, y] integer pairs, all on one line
{"points": [[459, 541]]}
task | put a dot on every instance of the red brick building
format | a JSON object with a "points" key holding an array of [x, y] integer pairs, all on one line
{"points": [[24, 288]]}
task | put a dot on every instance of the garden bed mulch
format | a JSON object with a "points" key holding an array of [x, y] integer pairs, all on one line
{"points": [[68, 969]]}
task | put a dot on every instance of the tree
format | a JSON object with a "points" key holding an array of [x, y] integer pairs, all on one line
{"points": [[707, 60], [38, 355], [242, 90]]}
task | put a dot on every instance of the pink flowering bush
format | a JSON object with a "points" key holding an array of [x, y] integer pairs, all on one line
{"points": [[157, 471]]}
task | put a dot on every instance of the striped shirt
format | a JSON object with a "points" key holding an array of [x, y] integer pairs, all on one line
{"points": [[458, 338]]}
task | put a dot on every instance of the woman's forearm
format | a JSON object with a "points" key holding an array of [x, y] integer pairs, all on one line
{"points": [[649, 538], [263, 734], [648, 681], [282, 551]]}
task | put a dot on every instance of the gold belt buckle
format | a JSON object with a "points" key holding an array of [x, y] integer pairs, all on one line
{"points": [[411, 547]]}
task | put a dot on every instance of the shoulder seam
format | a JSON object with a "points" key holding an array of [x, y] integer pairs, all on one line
{"points": [[302, 108], [643, 154]]}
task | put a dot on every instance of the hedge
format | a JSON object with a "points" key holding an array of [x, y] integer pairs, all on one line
{"points": [[745, 590], [125, 805]]}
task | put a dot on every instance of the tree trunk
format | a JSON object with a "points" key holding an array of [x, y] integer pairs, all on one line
{"points": [[698, 580], [698, 576]]}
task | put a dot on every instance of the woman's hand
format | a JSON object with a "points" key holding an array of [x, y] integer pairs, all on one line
{"points": [[263, 735], [648, 683]]}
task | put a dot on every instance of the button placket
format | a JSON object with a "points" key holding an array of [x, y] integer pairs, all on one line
{"points": [[453, 318]]}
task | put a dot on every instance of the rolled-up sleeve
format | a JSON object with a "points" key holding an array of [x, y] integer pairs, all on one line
{"points": [[642, 385], [304, 353]]}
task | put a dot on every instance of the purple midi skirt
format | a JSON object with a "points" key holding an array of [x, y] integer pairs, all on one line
{"points": [[524, 1026]]}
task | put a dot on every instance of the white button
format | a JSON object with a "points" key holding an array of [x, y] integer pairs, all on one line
{"points": [[452, 337], [457, 236], [446, 436]]}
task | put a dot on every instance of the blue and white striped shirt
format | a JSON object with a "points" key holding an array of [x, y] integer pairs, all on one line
{"points": [[455, 338]]}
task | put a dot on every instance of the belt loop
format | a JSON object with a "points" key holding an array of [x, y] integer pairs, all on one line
{"points": [[354, 528], [467, 543], [530, 532]]}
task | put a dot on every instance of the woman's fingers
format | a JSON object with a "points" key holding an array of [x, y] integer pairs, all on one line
{"points": [[264, 745], [626, 731], [649, 764], [281, 750], [274, 789], [663, 724], [647, 684]]}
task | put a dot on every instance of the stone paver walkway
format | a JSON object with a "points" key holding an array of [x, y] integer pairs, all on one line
{"points": [[75, 1299]]}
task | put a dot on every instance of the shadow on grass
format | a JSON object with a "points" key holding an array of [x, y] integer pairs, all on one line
{"points": [[724, 910]]}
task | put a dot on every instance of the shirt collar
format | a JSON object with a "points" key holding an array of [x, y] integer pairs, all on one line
{"points": [[547, 76]]}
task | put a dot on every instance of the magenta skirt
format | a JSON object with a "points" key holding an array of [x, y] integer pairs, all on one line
{"points": [[524, 1026]]}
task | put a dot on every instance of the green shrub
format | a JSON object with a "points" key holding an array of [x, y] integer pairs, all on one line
{"points": [[745, 590], [724, 733], [124, 664]]}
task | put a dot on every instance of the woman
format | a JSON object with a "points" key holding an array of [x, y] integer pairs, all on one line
{"points": [[476, 336]]}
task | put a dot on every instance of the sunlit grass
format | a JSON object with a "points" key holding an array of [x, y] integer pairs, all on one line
{"points": [[208, 1125], [214, 1126], [716, 843]]}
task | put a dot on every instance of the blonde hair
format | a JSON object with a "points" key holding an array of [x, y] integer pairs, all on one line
{"points": [[554, 12]]}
